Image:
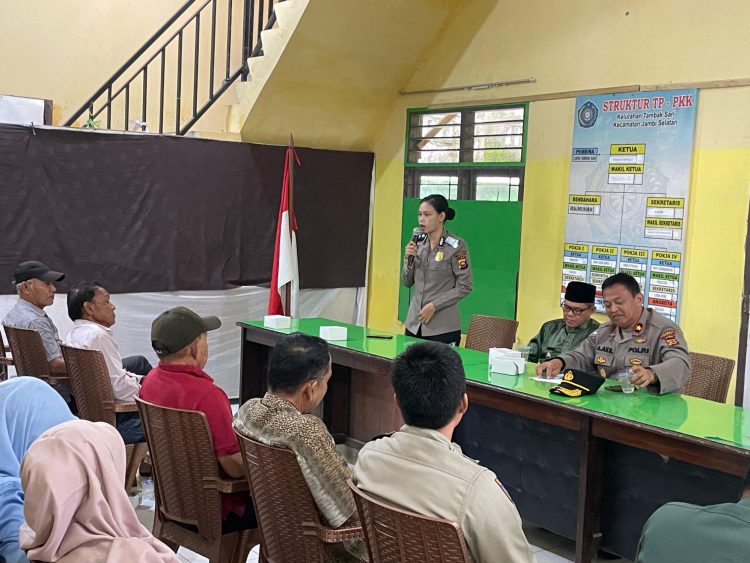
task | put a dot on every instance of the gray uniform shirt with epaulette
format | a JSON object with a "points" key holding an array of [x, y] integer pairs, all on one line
{"points": [[655, 342], [442, 282]]}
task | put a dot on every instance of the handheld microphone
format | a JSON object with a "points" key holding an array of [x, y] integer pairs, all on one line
{"points": [[416, 234]]}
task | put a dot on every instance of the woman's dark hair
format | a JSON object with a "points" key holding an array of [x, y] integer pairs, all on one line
{"points": [[439, 204], [295, 360]]}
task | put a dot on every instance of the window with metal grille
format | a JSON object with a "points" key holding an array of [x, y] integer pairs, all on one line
{"points": [[466, 153]]}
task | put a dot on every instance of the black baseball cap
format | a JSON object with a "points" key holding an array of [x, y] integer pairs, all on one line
{"points": [[174, 329], [35, 270]]}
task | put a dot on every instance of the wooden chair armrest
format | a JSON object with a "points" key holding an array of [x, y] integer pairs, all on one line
{"points": [[232, 485], [6, 361], [125, 406]]}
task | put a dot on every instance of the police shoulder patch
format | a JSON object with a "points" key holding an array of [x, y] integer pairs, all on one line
{"points": [[669, 337], [453, 241], [461, 260]]}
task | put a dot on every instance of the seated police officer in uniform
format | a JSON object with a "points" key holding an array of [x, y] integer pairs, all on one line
{"points": [[419, 469], [636, 338], [566, 334]]}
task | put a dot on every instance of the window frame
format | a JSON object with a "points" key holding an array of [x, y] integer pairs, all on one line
{"points": [[467, 110], [467, 184]]}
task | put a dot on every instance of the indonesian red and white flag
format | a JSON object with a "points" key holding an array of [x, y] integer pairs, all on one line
{"points": [[285, 270]]}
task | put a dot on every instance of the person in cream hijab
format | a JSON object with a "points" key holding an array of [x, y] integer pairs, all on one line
{"points": [[76, 507]]}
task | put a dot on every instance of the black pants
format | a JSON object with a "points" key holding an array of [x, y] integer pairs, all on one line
{"points": [[237, 523], [452, 338], [138, 365], [129, 424]]}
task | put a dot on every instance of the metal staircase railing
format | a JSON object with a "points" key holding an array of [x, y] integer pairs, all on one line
{"points": [[172, 80]]}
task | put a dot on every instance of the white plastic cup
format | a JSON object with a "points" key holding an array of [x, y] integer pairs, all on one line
{"points": [[524, 350], [148, 499]]}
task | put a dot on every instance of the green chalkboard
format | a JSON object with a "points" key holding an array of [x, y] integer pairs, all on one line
{"points": [[492, 230]]}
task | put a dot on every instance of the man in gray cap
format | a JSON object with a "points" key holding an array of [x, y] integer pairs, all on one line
{"points": [[35, 285], [179, 338], [566, 334]]}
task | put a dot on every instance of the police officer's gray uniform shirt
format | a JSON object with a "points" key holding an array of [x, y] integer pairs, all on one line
{"points": [[25, 315], [655, 342], [441, 276], [422, 471]]}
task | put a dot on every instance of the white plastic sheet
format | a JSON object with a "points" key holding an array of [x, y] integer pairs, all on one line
{"points": [[21, 111], [135, 311]]}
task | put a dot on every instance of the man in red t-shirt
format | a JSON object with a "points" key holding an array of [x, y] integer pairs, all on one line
{"points": [[179, 338]]}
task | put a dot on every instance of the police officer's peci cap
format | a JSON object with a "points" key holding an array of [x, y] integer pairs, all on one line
{"points": [[35, 270], [579, 292], [174, 329], [576, 383]]}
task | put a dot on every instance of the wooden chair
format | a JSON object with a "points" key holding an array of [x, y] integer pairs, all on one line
{"points": [[92, 390], [394, 535], [5, 361], [487, 332], [288, 518], [29, 355], [188, 485], [709, 377]]}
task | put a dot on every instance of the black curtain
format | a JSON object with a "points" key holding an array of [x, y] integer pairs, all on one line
{"points": [[159, 213]]}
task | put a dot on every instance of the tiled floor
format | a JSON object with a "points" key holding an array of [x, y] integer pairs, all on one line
{"points": [[189, 557]]}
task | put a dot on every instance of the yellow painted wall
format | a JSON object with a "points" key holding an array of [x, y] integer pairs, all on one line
{"points": [[64, 50], [581, 44]]}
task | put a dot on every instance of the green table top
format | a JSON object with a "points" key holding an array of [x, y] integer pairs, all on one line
{"points": [[699, 418], [356, 339]]}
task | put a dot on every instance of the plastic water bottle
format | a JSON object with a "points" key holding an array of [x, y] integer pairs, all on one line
{"points": [[148, 499]]}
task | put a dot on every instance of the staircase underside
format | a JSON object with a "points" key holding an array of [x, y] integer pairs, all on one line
{"points": [[330, 76]]}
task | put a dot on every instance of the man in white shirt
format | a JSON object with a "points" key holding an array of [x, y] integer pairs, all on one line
{"points": [[93, 315]]}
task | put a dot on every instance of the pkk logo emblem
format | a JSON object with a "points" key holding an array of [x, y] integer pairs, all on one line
{"points": [[587, 114]]}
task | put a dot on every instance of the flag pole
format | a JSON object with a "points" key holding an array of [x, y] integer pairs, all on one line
{"points": [[290, 159]]}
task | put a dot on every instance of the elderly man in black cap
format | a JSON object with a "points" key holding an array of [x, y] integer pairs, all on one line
{"points": [[35, 285], [563, 335]]}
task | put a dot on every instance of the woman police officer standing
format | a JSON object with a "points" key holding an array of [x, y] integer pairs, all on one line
{"points": [[440, 273]]}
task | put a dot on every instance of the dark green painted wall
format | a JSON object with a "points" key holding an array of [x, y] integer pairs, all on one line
{"points": [[492, 231]]}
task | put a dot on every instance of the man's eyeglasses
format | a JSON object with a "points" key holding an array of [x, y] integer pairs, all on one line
{"points": [[575, 310]]}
